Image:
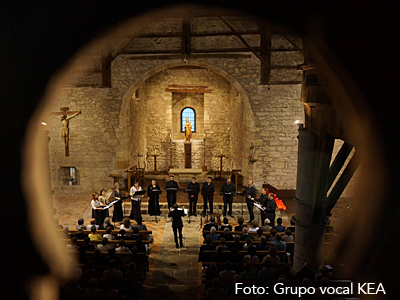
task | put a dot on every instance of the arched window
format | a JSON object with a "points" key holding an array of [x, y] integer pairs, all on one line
{"points": [[188, 112]]}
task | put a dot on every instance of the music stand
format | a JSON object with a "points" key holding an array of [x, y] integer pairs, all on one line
{"points": [[241, 194], [155, 191], [188, 191]]}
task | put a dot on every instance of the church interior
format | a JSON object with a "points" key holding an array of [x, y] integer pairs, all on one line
{"points": [[198, 93]]}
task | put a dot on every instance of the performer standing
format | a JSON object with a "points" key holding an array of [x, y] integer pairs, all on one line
{"points": [[250, 193], [135, 212], [228, 189], [102, 199], [207, 191], [270, 207], [176, 214], [171, 195], [154, 206], [263, 202], [117, 214], [96, 208], [193, 196]]}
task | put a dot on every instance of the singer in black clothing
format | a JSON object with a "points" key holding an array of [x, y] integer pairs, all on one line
{"points": [[250, 193], [193, 196], [270, 208], [171, 195], [207, 191], [228, 189], [263, 202], [176, 214]]}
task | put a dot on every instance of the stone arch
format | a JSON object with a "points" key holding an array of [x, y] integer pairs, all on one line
{"points": [[124, 129]]}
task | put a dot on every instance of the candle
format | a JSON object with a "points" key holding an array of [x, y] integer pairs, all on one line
{"points": [[155, 151], [221, 150]]}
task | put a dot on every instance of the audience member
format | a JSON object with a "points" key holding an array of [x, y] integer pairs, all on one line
{"points": [[292, 226], [93, 292], [139, 224], [108, 292], [204, 257], [240, 226], [80, 224], [135, 234], [245, 234], [225, 224], [131, 273], [207, 227], [122, 235], [107, 223], [272, 234], [226, 276], [267, 274], [234, 256], [279, 226], [216, 291], [218, 256], [126, 224], [254, 226], [104, 246], [73, 246], [266, 227], [121, 246], [263, 245], [80, 235], [90, 271], [259, 235], [271, 256], [94, 236], [248, 244], [227, 235], [108, 234], [223, 244], [112, 273], [247, 272], [213, 235], [305, 272], [288, 237], [92, 224], [236, 242], [278, 243]]}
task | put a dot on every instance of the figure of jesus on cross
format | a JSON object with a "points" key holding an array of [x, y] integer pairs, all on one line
{"points": [[63, 116]]}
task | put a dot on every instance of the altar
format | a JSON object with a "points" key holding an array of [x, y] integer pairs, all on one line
{"points": [[184, 174]]}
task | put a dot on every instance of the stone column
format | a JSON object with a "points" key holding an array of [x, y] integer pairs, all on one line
{"points": [[309, 242]]}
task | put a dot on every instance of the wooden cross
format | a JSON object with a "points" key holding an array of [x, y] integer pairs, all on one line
{"points": [[63, 116]]}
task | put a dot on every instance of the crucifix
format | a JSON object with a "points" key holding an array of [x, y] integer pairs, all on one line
{"points": [[63, 116], [155, 161]]}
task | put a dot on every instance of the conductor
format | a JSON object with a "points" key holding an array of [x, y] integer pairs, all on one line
{"points": [[176, 214]]}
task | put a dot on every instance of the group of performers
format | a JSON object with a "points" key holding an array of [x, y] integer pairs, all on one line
{"points": [[266, 203]]}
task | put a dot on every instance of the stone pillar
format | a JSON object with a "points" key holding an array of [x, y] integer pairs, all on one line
{"points": [[309, 242]]}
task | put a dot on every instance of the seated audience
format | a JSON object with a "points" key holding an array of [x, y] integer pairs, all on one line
{"points": [[107, 223], [104, 246], [248, 244], [83, 257], [90, 272], [112, 273], [121, 246], [279, 226], [108, 234], [212, 272], [292, 226], [216, 291], [108, 292], [236, 242], [266, 227], [139, 224], [204, 257], [278, 243], [245, 234], [267, 274], [251, 258], [272, 233], [254, 226], [263, 245], [324, 272], [305, 272], [259, 235], [98, 258], [135, 234], [213, 235], [80, 224], [247, 272], [73, 246], [92, 224], [126, 224], [131, 273], [225, 224], [94, 236], [207, 227], [93, 292], [218, 256], [234, 256], [122, 235], [271, 256], [227, 235], [240, 226], [223, 244], [226, 276], [288, 237], [80, 235], [89, 246]]}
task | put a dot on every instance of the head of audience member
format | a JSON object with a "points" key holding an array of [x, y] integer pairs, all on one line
{"points": [[93, 229], [86, 241], [279, 221], [249, 241], [122, 232], [247, 267], [288, 232], [278, 237], [83, 248], [263, 240], [97, 252], [132, 267], [134, 250], [93, 283], [212, 219], [127, 222], [139, 221], [213, 230], [306, 282], [135, 230], [108, 230], [219, 249], [324, 282], [225, 221], [236, 278], [216, 282], [234, 250], [272, 251], [81, 221], [93, 221], [74, 240], [226, 231], [254, 224], [245, 230], [111, 252], [273, 232], [208, 180], [240, 221], [260, 232], [107, 222], [222, 241], [236, 238], [104, 241], [121, 243], [112, 264], [252, 250], [267, 221], [207, 240]]}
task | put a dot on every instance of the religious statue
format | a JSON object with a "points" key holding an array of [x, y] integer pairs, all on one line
{"points": [[188, 130], [63, 116]]}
